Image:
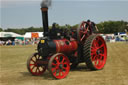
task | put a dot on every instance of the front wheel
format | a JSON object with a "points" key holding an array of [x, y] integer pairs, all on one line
{"points": [[59, 65], [95, 52], [33, 65]]}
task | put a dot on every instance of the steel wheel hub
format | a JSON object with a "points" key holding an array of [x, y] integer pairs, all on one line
{"points": [[98, 52], [61, 66]]}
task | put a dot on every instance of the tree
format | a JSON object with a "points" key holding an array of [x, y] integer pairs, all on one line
{"points": [[1, 29], [112, 26], [104, 27]]}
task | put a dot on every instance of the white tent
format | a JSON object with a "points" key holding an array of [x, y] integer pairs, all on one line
{"points": [[29, 34], [9, 34]]}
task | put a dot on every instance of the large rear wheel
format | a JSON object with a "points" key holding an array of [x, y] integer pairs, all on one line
{"points": [[95, 52], [59, 66]]}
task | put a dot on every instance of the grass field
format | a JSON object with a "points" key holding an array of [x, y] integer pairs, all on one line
{"points": [[13, 69]]}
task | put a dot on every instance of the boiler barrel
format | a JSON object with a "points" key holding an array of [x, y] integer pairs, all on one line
{"points": [[46, 47], [65, 46]]}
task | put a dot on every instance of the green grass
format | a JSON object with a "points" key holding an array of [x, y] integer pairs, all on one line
{"points": [[13, 69]]}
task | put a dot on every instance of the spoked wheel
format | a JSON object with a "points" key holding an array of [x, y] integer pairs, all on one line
{"points": [[83, 31], [59, 66], [95, 52], [34, 66]]}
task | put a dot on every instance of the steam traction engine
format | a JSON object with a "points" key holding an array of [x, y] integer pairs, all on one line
{"points": [[58, 52]]}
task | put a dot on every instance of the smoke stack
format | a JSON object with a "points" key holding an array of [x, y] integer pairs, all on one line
{"points": [[44, 8], [45, 20]]}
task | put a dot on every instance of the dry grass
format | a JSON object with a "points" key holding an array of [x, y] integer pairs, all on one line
{"points": [[13, 69]]}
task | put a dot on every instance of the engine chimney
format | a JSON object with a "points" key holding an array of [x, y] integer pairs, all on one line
{"points": [[45, 20]]}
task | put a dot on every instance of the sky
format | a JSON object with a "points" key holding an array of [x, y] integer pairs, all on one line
{"points": [[26, 13]]}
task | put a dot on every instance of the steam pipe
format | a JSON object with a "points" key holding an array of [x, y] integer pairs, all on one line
{"points": [[45, 20]]}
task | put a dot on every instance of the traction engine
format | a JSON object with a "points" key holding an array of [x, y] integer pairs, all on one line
{"points": [[59, 51]]}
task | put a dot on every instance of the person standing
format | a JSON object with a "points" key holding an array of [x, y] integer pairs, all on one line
{"points": [[93, 26], [54, 32]]}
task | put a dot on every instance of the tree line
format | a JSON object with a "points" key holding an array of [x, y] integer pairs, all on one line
{"points": [[104, 27]]}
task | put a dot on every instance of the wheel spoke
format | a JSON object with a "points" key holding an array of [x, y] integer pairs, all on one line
{"points": [[59, 72], [82, 37], [99, 62], [102, 45], [56, 60], [43, 67], [32, 67], [54, 69], [31, 64], [82, 32], [36, 69], [97, 39], [93, 49], [62, 60], [62, 73], [65, 63], [94, 58], [65, 68], [93, 53], [101, 55], [54, 73], [39, 57], [83, 25], [32, 60], [95, 62], [39, 69], [95, 44], [86, 30], [54, 64], [36, 57]]}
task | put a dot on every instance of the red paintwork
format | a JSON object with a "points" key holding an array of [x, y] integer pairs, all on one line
{"points": [[83, 31], [99, 59], [63, 61], [62, 47]]}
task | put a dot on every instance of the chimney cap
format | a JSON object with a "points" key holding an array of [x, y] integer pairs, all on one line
{"points": [[44, 8]]}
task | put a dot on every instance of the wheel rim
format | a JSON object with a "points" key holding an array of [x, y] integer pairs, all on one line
{"points": [[83, 31], [34, 67], [59, 66], [98, 52]]}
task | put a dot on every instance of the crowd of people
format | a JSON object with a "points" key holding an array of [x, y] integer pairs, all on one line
{"points": [[20, 42], [8, 42]]}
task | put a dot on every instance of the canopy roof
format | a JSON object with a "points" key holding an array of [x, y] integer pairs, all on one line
{"points": [[10, 34]]}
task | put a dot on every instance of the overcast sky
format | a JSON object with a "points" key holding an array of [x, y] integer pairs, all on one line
{"points": [[26, 13]]}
